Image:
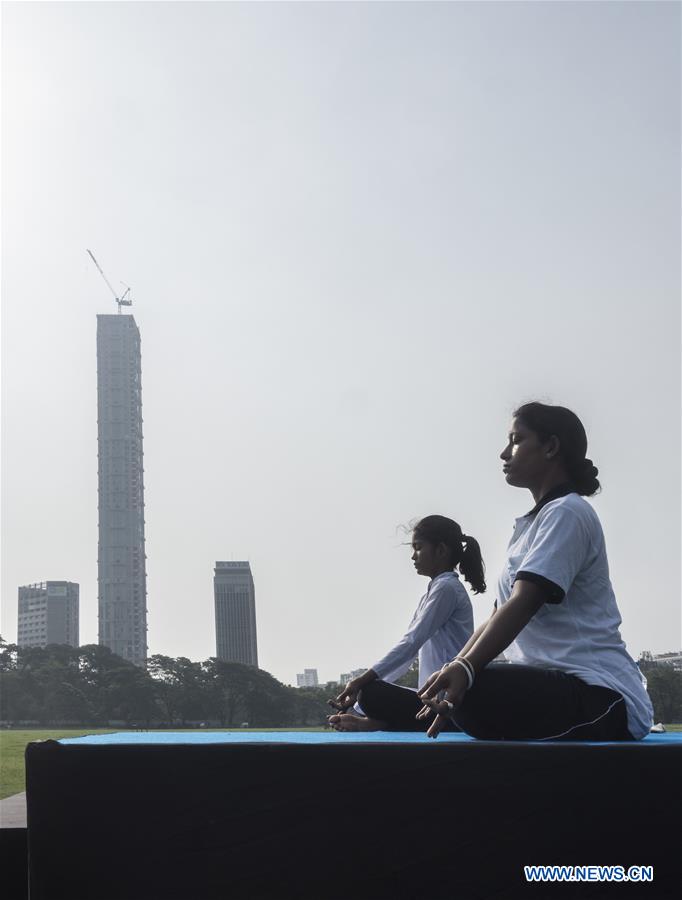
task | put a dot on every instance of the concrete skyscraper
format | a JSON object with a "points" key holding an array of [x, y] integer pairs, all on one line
{"points": [[235, 613], [48, 614], [307, 678], [121, 561]]}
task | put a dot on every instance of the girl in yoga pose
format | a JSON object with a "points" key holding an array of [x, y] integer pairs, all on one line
{"points": [[441, 625], [556, 619]]}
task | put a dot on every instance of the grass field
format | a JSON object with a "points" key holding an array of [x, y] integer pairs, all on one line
{"points": [[13, 744]]}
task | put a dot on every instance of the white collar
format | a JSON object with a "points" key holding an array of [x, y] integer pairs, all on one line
{"points": [[442, 575]]}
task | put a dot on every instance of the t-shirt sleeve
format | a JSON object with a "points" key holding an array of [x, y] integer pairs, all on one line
{"points": [[432, 615], [557, 553]]}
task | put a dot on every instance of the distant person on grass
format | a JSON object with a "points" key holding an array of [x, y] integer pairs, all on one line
{"points": [[570, 676], [441, 625]]}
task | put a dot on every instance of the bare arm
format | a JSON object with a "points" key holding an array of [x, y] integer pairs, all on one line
{"points": [[487, 643], [501, 629]]}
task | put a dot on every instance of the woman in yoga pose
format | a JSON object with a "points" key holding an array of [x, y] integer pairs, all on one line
{"points": [[569, 675], [441, 625]]}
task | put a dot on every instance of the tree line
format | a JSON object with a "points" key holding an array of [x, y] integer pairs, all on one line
{"points": [[664, 684], [90, 685]]}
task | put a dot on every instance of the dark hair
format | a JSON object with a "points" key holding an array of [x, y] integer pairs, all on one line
{"points": [[547, 421], [465, 553]]}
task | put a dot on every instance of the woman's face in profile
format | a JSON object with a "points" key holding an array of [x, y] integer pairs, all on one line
{"points": [[524, 459]]}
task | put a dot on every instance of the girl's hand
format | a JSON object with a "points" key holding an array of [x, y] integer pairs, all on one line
{"points": [[453, 681], [346, 698]]}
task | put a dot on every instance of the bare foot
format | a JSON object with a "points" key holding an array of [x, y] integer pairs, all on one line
{"points": [[351, 722]]}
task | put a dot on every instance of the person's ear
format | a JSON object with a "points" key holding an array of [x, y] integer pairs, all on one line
{"points": [[552, 447]]}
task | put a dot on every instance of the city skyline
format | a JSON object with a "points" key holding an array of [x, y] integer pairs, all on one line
{"points": [[357, 236]]}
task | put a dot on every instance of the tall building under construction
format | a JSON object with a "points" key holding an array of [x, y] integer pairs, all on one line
{"points": [[121, 568]]}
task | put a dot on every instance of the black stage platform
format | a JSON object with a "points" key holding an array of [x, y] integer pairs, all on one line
{"points": [[13, 863], [333, 817]]}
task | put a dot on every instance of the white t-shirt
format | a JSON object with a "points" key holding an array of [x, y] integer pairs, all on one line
{"points": [[579, 634], [442, 624]]}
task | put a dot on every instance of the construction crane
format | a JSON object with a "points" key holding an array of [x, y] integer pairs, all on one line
{"points": [[122, 301]]}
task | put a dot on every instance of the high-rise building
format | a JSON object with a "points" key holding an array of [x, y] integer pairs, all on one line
{"points": [[121, 566], [235, 613], [48, 614], [345, 677], [308, 678]]}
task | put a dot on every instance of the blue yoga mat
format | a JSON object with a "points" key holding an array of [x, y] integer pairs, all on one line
{"points": [[317, 737]]}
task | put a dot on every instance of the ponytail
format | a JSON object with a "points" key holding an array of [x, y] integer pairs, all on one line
{"points": [[471, 564], [465, 553]]}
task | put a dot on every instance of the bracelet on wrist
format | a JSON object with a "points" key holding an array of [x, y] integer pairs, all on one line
{"points": [[468, 668]]}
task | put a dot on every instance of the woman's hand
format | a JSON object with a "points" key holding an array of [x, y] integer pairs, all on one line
{"points": [[430, 680], [451, 679]]}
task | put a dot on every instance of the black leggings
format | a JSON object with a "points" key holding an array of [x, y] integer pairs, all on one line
{"points": [[395, 706], [515, 703]]}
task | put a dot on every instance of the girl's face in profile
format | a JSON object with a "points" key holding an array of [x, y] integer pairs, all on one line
{"points": [[424, 556]]}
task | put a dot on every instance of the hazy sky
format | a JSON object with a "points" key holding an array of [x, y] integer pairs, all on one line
{"points": [[357, 235]]}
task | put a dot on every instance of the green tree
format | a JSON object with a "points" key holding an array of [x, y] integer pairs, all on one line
{"points": [[18, 701], [96, 665], [130, 695], [64, 701], [664, 684], [46, 684], [269, 703], [240, 693], [227, 689], [8, 656], [92, 685], [162, 670], [181, 687], [311, 705], [411, 678]]}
